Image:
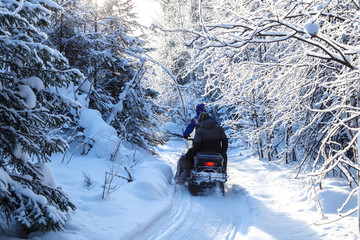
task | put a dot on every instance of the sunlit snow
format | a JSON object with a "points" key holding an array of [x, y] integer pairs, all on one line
{"points": [[263, 200]]}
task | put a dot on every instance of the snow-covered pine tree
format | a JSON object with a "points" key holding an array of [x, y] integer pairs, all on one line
{"points": [[67, 33], [132, 110], [101, 43], [28, 127]]}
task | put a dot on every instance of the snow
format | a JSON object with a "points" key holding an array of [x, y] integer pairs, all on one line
{"points": [[28, 95], [312, 28], [7, 183], [263, 200], [97, 130], [68, 96], [33, 82], [85, 86], [18, 62], [48, 177], [319, 7], [20, 154], [5, 178]]}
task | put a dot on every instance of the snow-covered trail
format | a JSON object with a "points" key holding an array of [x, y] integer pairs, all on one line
{"points": [[253, 206], [262, 201], [200, 217]]}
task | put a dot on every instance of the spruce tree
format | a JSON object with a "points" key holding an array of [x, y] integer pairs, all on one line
{"points": [[103, 45], [30, 71]]}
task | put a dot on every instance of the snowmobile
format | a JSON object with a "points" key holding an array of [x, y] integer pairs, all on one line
{"points": [[206, 176]]}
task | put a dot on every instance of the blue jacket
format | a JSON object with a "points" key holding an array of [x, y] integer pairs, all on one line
{"points": [[194, 123]]}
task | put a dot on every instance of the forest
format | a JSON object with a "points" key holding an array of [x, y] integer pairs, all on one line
{"points": [[281, 76]]}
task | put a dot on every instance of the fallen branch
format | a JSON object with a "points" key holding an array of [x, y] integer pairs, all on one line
{"points": [[339, 218]]}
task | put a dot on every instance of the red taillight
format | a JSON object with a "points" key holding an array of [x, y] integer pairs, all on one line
{"points": [[209, 164]]}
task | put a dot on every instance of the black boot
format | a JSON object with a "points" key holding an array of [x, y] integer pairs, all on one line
{"points": [[185, 175]]}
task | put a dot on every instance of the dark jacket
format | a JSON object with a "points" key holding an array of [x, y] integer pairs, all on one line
{"points": [[210, 137], [194, 123]]}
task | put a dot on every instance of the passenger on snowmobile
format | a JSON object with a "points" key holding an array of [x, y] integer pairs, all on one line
{"points": [[209, 137], [194, 123]]}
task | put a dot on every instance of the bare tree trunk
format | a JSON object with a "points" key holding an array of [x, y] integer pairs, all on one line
{"points": [[358, 177], [260, 150], [357, 156]]}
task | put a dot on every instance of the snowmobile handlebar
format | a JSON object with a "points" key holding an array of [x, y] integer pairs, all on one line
{"points": [[181, 136]]}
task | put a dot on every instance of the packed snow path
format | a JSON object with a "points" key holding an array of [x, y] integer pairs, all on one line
{"points": [[263, 201], [254, 206], [200, 217]]}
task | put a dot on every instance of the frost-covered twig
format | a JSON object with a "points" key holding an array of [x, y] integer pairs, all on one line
{"points": [[316, 199], [346, 202], [174, 79], [5, 11], [83, 144], [352, 211]]}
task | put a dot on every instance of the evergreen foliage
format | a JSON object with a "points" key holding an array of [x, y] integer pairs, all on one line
{"points": [[29, 70], [101, 42]]}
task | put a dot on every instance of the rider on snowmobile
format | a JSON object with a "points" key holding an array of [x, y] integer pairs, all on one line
{"points": [[209, 137]]}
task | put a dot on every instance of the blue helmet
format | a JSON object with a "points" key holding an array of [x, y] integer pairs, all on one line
{"points": [[200, 108]]}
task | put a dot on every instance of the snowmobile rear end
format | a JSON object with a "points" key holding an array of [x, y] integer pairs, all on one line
{"points": [[208, 174]]}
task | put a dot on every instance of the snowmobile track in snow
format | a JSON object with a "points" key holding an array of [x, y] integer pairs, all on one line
{"points": [[201, 217]]}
